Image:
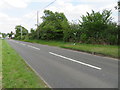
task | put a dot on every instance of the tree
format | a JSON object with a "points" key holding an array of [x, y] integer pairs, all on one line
{"points": [[111, 34], [53, 25], [73, 33], [33, 34], [4, 35], [119, 4], [10, 34], [94, 25], [18, 32]]}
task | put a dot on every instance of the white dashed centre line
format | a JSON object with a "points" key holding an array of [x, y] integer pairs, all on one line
{"points": [[33, 47], [76, 61], [22, 44]]}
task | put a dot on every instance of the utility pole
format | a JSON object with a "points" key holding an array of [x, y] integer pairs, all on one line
{"points": [[38, 18], [37, 24], [118, 7]]}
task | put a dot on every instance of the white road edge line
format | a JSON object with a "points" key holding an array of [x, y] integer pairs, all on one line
{"points": [[76, 61], [33, 47], [38, 74]]}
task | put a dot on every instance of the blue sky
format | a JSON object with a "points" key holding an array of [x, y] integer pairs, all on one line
{"points": [[23, 12]]}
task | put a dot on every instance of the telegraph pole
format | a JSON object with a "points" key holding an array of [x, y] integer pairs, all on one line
{"points": [[38, 18], [37, 24], [119, 13]]}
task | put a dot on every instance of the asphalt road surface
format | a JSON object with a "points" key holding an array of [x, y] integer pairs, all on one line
{"points": [[63, 68]]}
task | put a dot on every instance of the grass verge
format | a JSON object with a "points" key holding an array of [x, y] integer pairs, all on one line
{"points": [[16, 73], [0, 64], [104, 50]]}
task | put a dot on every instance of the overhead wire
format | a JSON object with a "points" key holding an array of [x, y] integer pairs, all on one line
{"points": [[49, 4], [34, 14]]}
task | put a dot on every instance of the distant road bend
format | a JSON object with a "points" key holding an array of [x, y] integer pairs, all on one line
{"points": [[62, 68]]}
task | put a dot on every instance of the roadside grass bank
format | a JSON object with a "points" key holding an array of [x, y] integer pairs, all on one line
{"points": [[16, 73], [104, 50], [0, 64]]}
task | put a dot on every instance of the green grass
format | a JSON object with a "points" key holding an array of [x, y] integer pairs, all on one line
{"points": [[50, 43], [106, 50], [16, 73], [0, 63]]}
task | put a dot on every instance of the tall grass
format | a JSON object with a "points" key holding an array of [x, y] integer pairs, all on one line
{"points": [[106, 50]]}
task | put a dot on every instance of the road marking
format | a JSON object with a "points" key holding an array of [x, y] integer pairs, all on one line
{"points": [[22, 44], [76, 61], [27, 45], [33, 47], [37, 73]]}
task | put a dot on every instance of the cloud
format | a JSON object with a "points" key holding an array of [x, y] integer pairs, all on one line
{"points": [[3, 5], [29, 20], [72, 9], [7, 23], [72, 12], [14, 3]]}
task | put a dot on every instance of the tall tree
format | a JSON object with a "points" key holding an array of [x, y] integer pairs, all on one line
{"points": [[93, 26], [53, 25], [18, 32]]}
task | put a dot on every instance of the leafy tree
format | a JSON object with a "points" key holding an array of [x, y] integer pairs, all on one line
{"points": [[111, 34], [10, 34], [93, 26], [4, 35], [73, 33], [53, 25], [18, 32], [33, 34]]}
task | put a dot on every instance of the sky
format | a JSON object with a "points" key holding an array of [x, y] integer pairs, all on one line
{"points": [[24, 12]]}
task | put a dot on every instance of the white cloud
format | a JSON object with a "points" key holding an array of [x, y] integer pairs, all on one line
{"points": [[29, 20], [2, 15], [3, 5], [13, 3], [73, 9], [40, 0], [7, 23], [114, 11], [72, 12]]}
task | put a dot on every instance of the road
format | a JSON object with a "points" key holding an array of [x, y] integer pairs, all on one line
{"points": [[63, 68]]}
